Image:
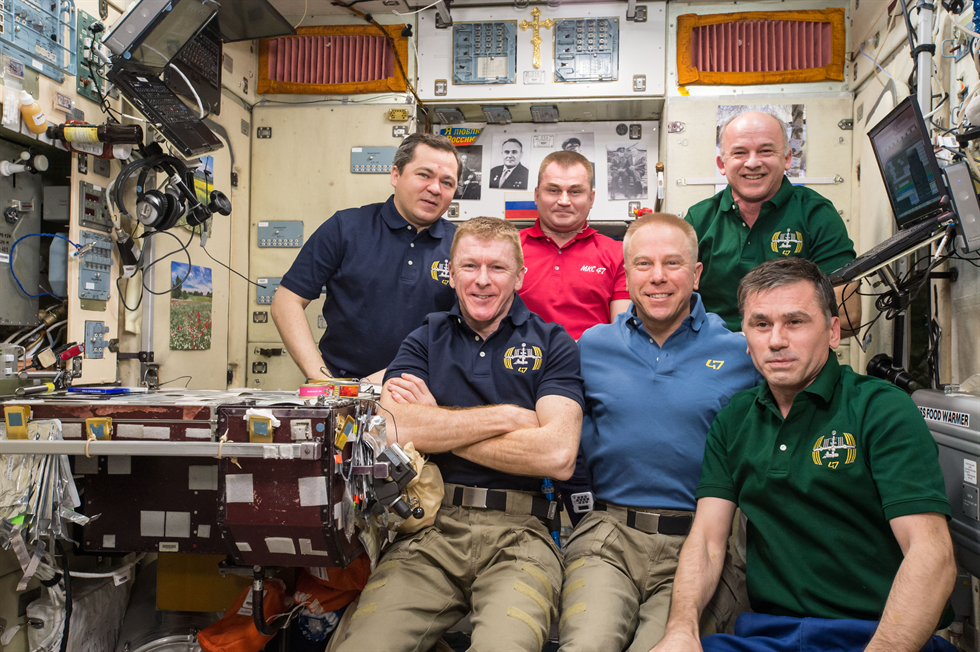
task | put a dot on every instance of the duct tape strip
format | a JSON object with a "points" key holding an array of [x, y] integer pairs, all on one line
{"points": [[31, 567]]}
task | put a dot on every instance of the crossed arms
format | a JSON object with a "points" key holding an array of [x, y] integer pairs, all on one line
{"points": [[915, 602], [541, 443]]}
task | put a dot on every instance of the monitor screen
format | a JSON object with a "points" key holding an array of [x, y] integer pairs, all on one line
{"points": [[908, 164], [151, 33], [244, 20]]}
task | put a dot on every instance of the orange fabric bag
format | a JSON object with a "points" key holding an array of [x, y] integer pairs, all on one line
{"points": [[339, 588], [236, 632]]}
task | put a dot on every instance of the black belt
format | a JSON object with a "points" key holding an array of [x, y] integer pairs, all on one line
{"points": [[653, 523], [476, 497]]}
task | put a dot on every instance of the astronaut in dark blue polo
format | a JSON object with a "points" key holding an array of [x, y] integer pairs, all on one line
{"points": [[493, 394], [385, 267]]}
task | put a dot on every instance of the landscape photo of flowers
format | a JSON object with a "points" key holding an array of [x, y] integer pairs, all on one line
{"points": [[190, 307]]}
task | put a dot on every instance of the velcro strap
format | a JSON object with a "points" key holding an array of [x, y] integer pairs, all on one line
{"points": [[497, 500], [653, 523]]}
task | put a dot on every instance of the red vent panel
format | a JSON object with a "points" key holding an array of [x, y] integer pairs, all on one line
{"points": [[329, 59], [761, 46]]}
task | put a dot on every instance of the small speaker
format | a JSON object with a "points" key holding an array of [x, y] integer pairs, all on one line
{"points": [[965, 205]]}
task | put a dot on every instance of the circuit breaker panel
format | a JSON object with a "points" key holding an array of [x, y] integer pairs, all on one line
{"points": [[587, 49], [485, 53]]}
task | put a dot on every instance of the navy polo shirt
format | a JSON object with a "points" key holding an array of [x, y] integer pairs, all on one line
{"points": [[525, 359], [383, 277]]}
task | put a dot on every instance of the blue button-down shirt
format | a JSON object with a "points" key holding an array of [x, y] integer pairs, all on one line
{"points": [[649, 407], [525, 359], [383, 277]]}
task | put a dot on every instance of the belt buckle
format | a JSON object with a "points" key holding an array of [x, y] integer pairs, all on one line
{"points": [[474, 497], [647, 522]]}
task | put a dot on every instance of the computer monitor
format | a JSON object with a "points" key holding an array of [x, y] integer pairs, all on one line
{"points": [[151, 32], [908, 165], [244, 20]]}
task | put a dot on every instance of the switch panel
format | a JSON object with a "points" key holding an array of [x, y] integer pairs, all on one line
{"points": [[87, 84], [95, 332], [371, 160], [280, 234], [95, 270], [485, 53], [263, 295], [587, 49], [40, 35], [93, 212]]}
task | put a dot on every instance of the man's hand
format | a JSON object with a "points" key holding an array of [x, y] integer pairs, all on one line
{"points": [[410, 389]]}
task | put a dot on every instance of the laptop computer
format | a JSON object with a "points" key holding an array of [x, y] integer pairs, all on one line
{"points": [[143, 42], [915, 185], [200, 61]]}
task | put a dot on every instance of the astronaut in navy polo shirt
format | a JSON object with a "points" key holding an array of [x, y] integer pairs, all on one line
{"points": [[385, 267], [492, 394]]}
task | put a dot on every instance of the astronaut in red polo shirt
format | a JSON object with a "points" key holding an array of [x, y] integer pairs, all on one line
{"points": [[575, 275]]}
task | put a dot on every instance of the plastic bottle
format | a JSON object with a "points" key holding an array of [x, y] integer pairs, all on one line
{"points": [[80, 132], [32, 113]]}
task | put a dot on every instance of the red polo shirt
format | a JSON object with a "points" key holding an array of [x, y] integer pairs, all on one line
{"points": [[572, 285]]}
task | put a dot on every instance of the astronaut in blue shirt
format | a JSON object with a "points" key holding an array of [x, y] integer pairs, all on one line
{"points": [[385, 267], [654, 380]]}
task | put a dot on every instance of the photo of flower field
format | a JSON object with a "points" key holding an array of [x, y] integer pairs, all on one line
{"points": [[190, 307]]}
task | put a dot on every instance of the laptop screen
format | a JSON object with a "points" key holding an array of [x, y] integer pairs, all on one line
{"points": [[908, 164], [244, 20], [158, 32]]}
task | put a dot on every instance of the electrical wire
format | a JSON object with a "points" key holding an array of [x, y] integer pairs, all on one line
{"points": [[306, 6], [200, 105], [412, 13], [11, 262], [173, 380], [226, 266]]}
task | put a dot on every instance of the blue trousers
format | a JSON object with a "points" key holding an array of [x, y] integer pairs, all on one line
{"points": [[765, 633]]}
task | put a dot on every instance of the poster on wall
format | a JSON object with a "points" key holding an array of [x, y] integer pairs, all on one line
{"points": [[626, 170], [472, 176], [794, 115], [544, 144], [190, 307], [510, 170]]}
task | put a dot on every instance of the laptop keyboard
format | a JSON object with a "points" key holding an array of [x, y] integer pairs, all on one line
{"points": [[928, 225], [202, 54], [169, 109]]}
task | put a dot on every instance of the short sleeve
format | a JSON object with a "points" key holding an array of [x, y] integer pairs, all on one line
{"points": [[619, 284], [716, 476], [903, 456], [562, 374], [412, 357], [318, 260], [832, 248]]}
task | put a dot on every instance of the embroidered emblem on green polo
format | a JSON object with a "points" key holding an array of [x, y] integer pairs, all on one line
{"points": [[522, 357], [829, 446], [786, 243]]}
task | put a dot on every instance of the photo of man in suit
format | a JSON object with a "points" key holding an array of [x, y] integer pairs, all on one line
{"points": [[511, 174]]}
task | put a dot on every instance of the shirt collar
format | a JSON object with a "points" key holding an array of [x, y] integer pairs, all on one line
{"points": [[536, 232], [693, 321], [518, 313], [778, 200], [822, 386], [395, 221]]}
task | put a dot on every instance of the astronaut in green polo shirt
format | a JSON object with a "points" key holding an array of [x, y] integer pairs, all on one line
{"points": [[761, 216], [848, 547]]}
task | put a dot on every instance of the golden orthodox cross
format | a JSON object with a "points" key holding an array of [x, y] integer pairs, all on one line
{"points": [[536, 24]]}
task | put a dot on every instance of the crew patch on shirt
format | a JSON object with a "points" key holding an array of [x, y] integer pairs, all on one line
{"points": [[523, 357], [825, 449], [786, 243], [440, 271]]}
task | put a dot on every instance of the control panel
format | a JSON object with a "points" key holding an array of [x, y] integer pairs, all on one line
{"points": [[40, 35], [95, 332], [280, 233], [586, 49], [371, 160], [95, 270], [263, 295], [485, 53], [87, 84], [93, 211]]}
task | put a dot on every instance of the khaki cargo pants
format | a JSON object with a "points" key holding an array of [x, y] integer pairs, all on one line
{"points": [[505, 567], [618, 584]]}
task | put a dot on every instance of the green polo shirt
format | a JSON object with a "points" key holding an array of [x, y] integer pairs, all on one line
{"points": [[797, 221], [819, 488]]}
